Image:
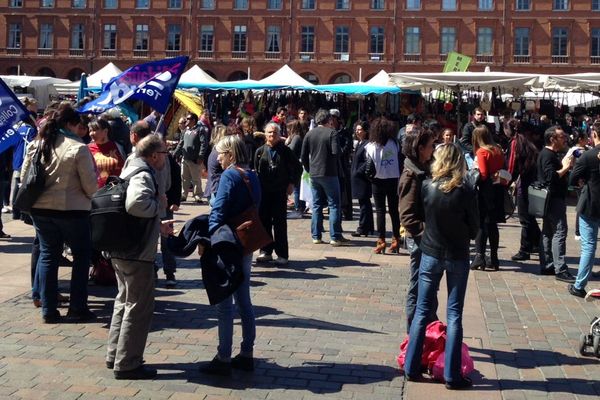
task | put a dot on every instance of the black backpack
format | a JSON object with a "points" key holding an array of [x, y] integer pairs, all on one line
{"points": [[113, 228]]}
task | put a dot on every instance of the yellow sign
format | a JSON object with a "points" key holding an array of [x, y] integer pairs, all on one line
{"points": [[456, 62]]}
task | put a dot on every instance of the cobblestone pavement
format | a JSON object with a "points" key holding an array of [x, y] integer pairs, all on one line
{"points": [[328, 326]]}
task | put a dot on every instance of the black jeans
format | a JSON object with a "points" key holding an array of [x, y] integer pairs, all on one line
{"points": [[530, 230], [273, 215], [365, 221], [386, 189]]}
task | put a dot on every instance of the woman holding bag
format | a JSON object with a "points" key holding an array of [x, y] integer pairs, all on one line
{"points": [[232, 198]]}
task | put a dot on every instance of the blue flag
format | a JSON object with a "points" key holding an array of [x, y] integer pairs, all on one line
{"points": [[153, 83], [11, 112]]}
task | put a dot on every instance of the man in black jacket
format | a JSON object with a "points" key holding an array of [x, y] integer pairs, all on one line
{"points": [[586, 174], [552, 173], [278, 169], [466, 139]]}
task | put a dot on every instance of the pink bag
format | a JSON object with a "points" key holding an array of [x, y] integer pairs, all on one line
{"points": [[433, 345], [466, 365]]}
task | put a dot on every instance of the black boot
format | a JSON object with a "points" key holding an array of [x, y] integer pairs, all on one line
{"points": [[494, 262], [478, 262]]}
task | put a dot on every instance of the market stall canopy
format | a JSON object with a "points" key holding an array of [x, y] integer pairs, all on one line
{"points": [[196, 75], [94, 81], [286, 75], [245, 84], [382, 78], [189, 100], [573, 82], [464, 80], [359, 88], [40, 87]]}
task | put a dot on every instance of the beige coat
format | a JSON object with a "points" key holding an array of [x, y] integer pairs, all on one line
{"points": [[70, 176]]}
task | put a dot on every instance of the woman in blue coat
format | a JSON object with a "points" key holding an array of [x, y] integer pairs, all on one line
{"points": [[361, 186]]}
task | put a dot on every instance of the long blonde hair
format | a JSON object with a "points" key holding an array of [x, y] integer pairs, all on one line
{"points": [[448, 168]]}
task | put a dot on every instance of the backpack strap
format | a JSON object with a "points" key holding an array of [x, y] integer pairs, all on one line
{"points": [[142, 169]]}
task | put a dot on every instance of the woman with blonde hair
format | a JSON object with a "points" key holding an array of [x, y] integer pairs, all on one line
{"points": [[451, 220], [213, 167], [489, 160]]}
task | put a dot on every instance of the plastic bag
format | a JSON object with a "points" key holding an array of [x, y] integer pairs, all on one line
{"points": [[433, 345], [466, 366]]}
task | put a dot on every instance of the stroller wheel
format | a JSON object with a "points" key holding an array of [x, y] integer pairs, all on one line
{"points": [[582, 344], [596, 345]]}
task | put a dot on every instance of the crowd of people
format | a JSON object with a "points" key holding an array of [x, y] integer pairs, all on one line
{"points": [[441, 190]]}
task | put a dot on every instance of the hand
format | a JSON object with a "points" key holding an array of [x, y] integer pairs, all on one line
{"points": [[166, 227], [174, 207], [200, 249], [567, 162]]}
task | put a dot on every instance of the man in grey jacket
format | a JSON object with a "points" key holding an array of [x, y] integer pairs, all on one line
{"points": [[193, 147], [134, 303]]}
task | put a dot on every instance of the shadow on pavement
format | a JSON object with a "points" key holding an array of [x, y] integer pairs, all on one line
{"points": [[316, 377]]}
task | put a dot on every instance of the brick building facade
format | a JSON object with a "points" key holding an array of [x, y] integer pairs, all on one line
{"points": [[326, 41]]}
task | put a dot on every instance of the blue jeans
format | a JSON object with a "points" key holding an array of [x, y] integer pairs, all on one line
{"points": [[430, 274], [53, 232], [326, 191], [299, 205], [168, 259], [588, 228], [225, 315]]}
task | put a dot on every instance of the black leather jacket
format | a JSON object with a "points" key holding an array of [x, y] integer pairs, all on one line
{"points": [[451, 221]]}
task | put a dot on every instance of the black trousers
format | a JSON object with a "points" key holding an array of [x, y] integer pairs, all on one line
{"points": [[273, 215], [386, 189], [530, 230], [365, 219]]}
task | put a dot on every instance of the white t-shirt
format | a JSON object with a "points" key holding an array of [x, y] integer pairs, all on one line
{"points": [[385, 158]]}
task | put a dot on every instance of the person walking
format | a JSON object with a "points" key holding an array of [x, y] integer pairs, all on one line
{"points": [[552, 173], [384, 151], [451, 220], [586, 175], [134, 303], [320, 153]]}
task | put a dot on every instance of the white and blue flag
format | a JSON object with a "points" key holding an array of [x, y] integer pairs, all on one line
{"points": [[12, 111], [153, 83]]}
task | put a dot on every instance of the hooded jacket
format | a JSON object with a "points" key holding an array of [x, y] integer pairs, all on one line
{"points": [[412, 215]]}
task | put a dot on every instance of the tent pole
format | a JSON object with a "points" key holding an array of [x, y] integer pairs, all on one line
{"points": [[160, 121]]}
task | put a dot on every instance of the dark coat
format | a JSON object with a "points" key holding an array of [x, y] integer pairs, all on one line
{"points": [[276, 171], [361, 186], [587, 169], [412, 215]]}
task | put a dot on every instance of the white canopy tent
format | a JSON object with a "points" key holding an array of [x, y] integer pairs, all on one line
{"points": [[196, 75], [382, 78], [94, 81], [286, 76], [573, 82], [39, 87], [464, 80]]}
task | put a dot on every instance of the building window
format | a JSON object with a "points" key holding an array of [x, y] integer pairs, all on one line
{"points": [[342, 39], [447, 40], [207, 34], [273, 39], [207, 4], [15, 3], [110, 4], [47, 3], [560, 42], [142, 3], [342, 4], [110, 37], [595, 35], [46, 36], [449, 5], [78, 37], [521, 42], [174, 4], [78, 3], [239, 38], [412, 40], [308, 4], [14, 36], [174, 37], [141, 37], [377, 4], [240, 4], [307, 39], [486, 5], [413, 4], [274, 5], [523, 5], [484, 41], [560, 5], [595, 5], [377, 38]]}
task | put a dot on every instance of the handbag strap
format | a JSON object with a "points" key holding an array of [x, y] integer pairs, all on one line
{"points": [[246, 181]]}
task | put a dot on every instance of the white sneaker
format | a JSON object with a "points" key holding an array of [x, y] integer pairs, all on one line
{"points": [[5, 210], [280, 261], [264, 257], [577, 237]]}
